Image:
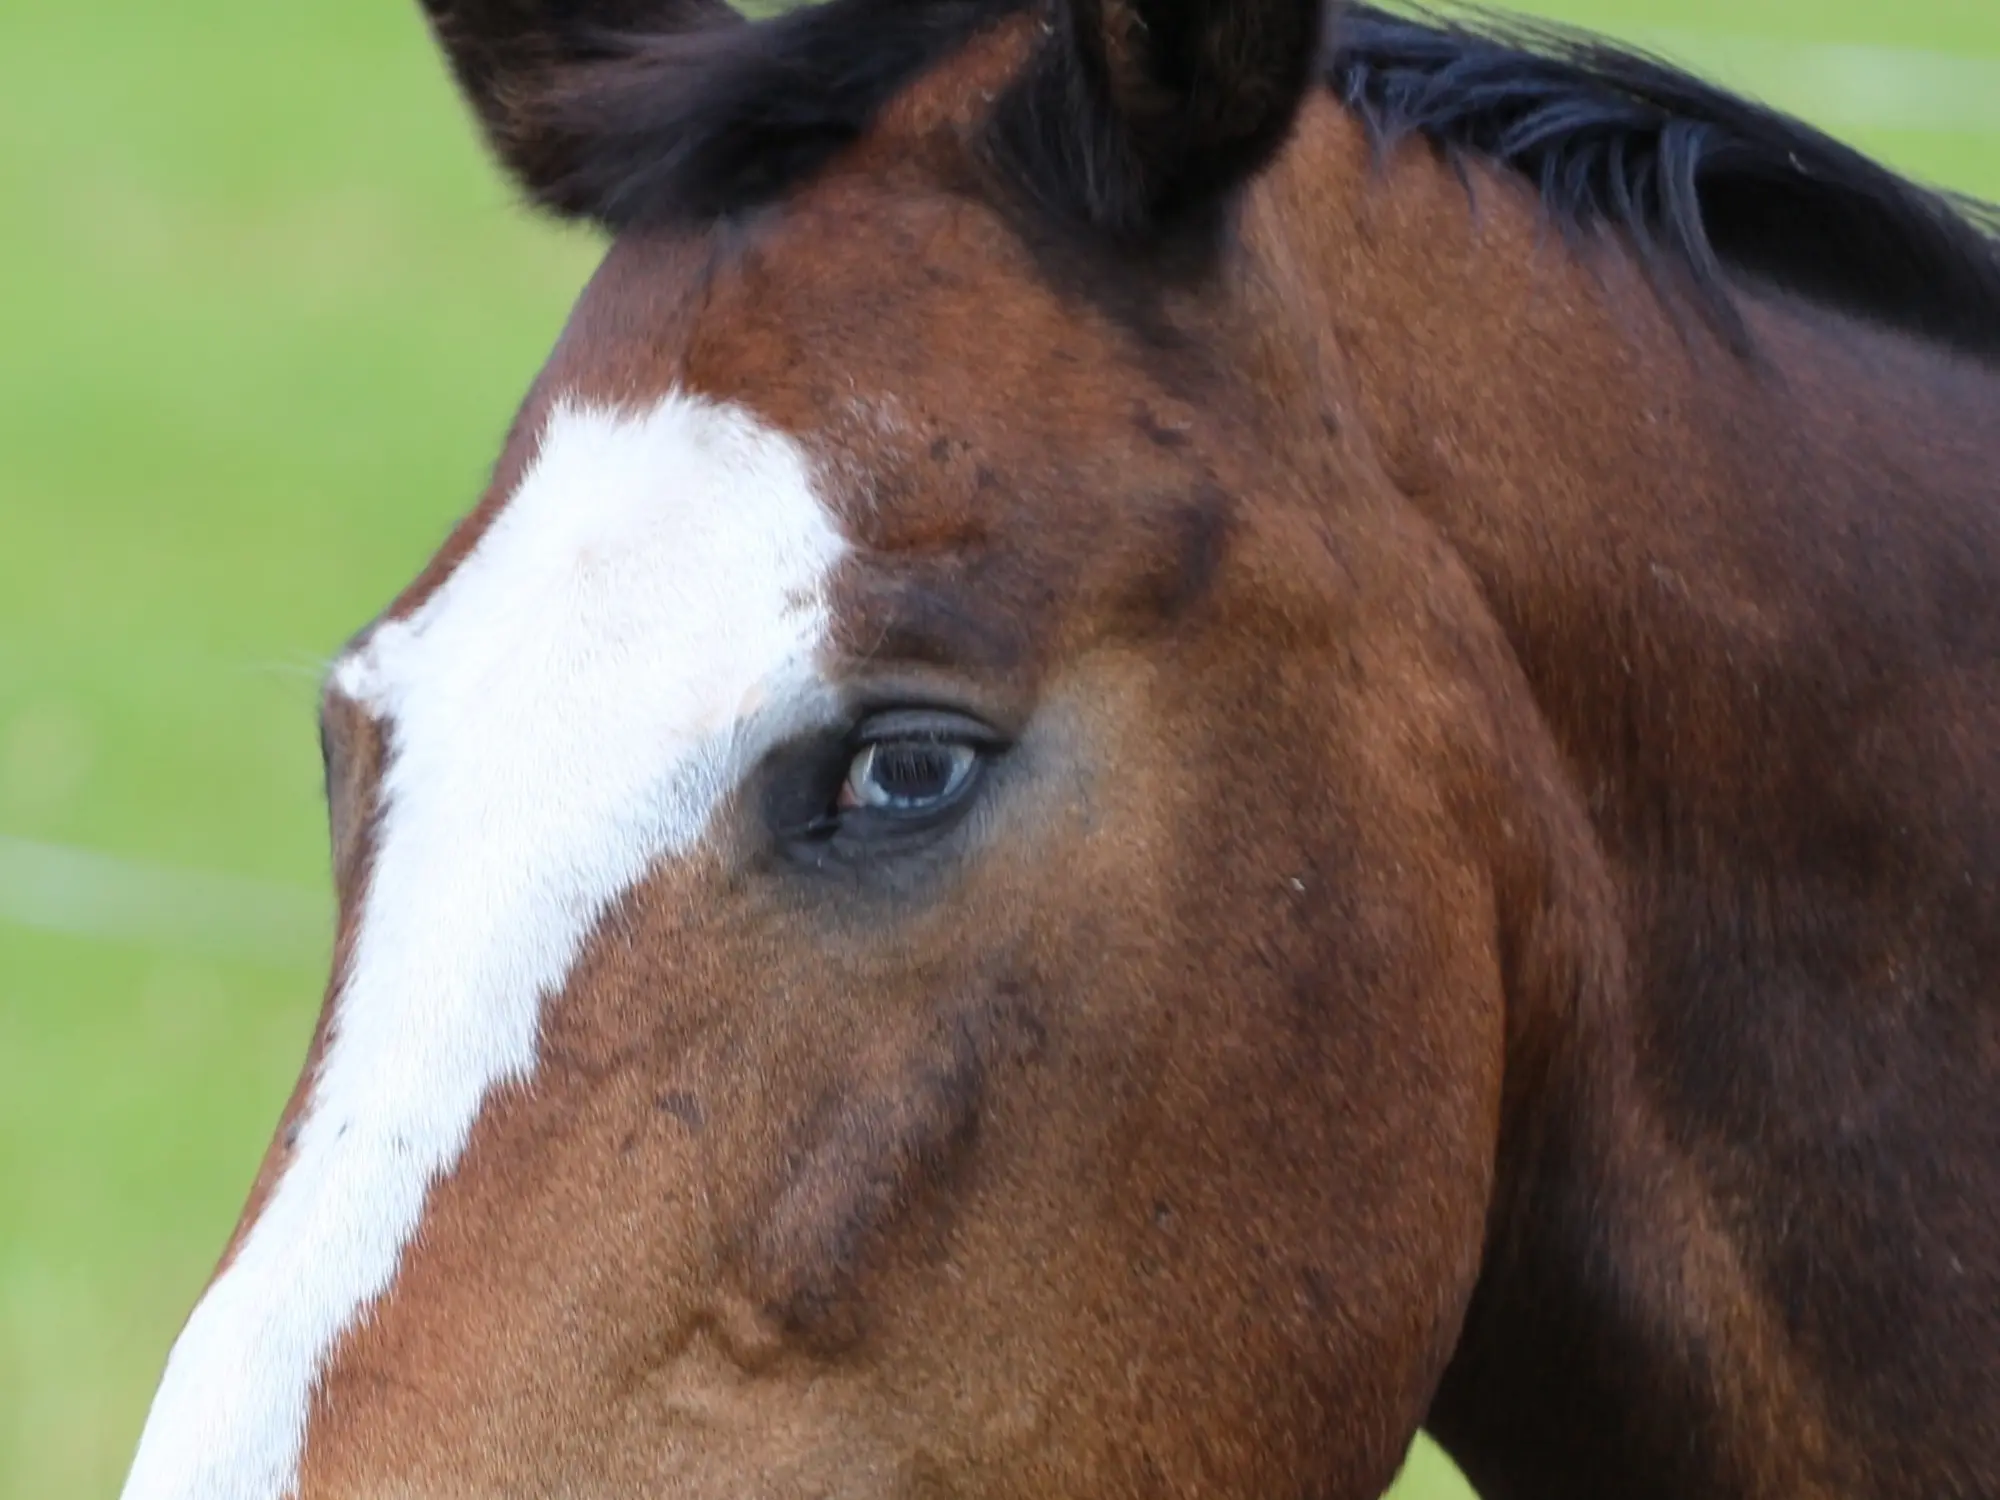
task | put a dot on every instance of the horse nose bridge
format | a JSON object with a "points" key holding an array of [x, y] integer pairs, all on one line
{"points": [[503, 1386]]}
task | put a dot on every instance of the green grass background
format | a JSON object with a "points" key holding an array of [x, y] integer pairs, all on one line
{"points": [[264, 314]]}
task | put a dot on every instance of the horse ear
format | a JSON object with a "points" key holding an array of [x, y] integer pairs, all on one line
{"points": [[511, 57], [1135, 114]]}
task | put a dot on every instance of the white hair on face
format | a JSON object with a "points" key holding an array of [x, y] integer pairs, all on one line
{"points": [[642, 619]]}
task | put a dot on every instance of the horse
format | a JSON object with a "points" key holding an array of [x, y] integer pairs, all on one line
{"points": [[1179, 734]]}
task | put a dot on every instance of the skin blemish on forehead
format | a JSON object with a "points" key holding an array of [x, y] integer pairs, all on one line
{"points": [[644, 617]]}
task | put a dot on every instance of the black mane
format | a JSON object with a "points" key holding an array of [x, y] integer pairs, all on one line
{"points": [[1707, 186], [1702, 181]]}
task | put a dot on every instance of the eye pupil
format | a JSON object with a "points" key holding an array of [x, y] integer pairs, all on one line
{"points": [[913, 770], [909, 775]]}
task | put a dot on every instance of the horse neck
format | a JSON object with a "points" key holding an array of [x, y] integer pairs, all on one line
{"points": [[1743, 1240]]}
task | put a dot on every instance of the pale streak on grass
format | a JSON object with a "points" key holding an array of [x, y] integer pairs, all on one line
{"points": [[58, 888]]}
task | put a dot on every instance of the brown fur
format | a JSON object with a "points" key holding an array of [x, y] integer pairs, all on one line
{"points": [[1491, 912]]}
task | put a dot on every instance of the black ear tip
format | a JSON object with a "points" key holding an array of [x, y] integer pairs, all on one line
{"points": [[528, 67]]}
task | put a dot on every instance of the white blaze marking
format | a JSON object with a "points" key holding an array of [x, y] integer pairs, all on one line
{"points": [[640, 622]]}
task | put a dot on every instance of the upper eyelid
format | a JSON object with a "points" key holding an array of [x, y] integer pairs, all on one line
{"points": [[916, 723]]}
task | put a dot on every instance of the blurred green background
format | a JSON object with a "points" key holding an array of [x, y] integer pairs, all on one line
{"points": [[265, 312]]}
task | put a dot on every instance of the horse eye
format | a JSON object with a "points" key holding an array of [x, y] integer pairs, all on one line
{"points": [[909, 774]]}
